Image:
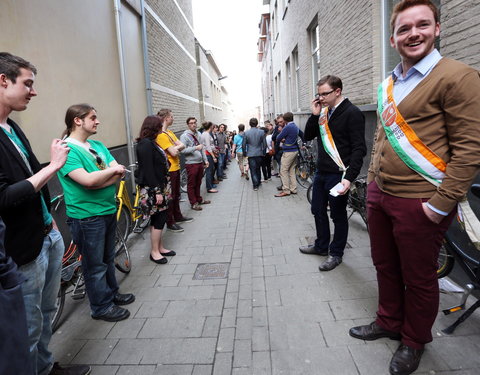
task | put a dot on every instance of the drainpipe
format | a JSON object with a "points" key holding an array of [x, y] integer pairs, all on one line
{"points": [[146, 65], [384, 35], [126, 110]]}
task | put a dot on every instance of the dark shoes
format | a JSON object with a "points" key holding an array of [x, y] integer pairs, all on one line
{"points": [[184, 220], [310, 249], [280, 188], [372, 332], [70, 370], [175, 228], [282, 194], [405, 360], [113, 314], [123, 299], [330, 263], [171, 253], [159, 261], [205, 201]]}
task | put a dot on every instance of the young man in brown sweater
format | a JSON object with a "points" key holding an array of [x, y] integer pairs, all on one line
{"points": [[410, 207]]}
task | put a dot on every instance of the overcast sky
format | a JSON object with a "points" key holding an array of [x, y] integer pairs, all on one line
{"points": [[229, 28]]}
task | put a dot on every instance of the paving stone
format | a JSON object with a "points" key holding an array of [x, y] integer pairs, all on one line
{"points": [[136, 370], [95, 352], [104, 370], [261, 363], [229, 318], [226, 339], [211, 327], [180, 351], [173, 370], [126, 329], [176, 327], [242, 354], [152, 309], [244, 329], [260, 339]]}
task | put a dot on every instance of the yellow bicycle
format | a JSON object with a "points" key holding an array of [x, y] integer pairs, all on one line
{"points": [[129, 218]]}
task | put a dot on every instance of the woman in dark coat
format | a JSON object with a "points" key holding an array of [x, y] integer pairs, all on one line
{"points": [[152, 177]]}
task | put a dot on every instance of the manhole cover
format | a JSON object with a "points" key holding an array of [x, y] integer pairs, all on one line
{"points": [[207, 271]]}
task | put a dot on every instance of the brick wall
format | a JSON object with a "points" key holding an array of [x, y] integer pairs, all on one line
{"points": [[460, 31]]}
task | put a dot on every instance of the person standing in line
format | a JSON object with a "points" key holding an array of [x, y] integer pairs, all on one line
{"points": [[88, 180], [425, 156], [267, 161], [253, 147], [288, 136], [207, 142], [222, 140], [169, 142], [195, 163], [154, 182], [339, 127], [237, 149], [32, 238]]}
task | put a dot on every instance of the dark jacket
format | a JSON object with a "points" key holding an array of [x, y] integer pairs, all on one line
{"points": [[347, 125], [14, 352], [20, 205], [152, 164]]}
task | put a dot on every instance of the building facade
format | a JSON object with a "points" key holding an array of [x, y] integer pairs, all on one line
{"points": [[301, 41]]}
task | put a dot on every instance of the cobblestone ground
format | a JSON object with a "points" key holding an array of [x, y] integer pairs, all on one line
{"points": [[274, 313]]}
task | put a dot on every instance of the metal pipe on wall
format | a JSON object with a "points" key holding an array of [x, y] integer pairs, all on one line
{"points": [[126, 110], [146, 65]]}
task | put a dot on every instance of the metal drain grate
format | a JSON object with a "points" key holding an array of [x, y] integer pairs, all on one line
{"points": [[206, 271]]}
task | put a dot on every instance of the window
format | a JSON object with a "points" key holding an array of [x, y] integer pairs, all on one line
{"points": [[288, 71], [315, 52], [278, 92], [296, 67]]}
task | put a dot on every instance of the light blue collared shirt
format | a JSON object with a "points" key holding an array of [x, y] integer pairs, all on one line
{"points": [[404, 85]]}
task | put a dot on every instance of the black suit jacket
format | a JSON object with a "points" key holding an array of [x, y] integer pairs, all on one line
{"points": [[20, 205], [347, 125], [152, 165]]}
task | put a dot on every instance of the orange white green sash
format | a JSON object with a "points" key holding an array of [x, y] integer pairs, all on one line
{"points": [[416, 155], [413, 152], [328, 142]]}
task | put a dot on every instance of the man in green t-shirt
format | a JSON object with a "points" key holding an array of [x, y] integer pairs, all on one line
{"points": [[88, 179]]}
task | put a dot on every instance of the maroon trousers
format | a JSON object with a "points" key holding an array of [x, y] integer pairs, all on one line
{"points": [[173, 212], [194, 182], [405, 246]]}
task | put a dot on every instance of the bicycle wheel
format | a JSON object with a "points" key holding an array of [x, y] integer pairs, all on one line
{"points": [[302, 174], [183, 180], [309, 193], [124, 223], [445, 260], [60, 304], [122, 255]]}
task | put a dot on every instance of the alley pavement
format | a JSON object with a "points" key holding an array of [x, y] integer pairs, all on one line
{"points": [[239, 298]]}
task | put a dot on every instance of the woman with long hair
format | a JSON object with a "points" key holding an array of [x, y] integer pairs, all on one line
{"points": [[152, 177]]}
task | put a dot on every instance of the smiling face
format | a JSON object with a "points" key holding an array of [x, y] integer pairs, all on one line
{"points": [[414, 34], [16, 96]]}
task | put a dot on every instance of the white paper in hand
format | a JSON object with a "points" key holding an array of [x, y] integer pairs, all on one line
{"points": [[334, 191]]}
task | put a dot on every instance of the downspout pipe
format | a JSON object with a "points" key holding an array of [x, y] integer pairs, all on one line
{"points": [[126, 110], [146, 65]]}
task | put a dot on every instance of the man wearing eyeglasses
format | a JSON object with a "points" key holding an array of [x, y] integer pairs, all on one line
{"points": [[339, 127]]}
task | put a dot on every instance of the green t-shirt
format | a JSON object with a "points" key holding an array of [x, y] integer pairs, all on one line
{"points": [[82, 202]]}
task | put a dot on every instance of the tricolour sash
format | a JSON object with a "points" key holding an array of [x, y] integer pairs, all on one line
{"points": [[328, 142], [417, 156]]}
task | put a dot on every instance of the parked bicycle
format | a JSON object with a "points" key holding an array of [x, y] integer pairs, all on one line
{"points": [[71, 274], [468, 257], [306, 165]]}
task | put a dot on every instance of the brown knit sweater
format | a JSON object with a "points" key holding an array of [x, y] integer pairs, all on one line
{"points": [[444, 111]]}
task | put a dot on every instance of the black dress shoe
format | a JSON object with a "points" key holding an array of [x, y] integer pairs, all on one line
{"points": [[158, 261], [113, 314], [330, 263], [171, 253], [310, 249], [184, 220], [175, 228], [123, 299], [70, 369], [372, 332], [405, 360]]}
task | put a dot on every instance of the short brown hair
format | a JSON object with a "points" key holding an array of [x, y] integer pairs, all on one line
{"points": [[288, 117], [10, 65], [405, 4], [333, 81]]}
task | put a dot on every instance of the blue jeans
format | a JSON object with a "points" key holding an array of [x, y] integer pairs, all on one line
{"points": [[209, 172], [40, 296], [95, 238], [321, 198], [255, 163], [220, 165]]}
